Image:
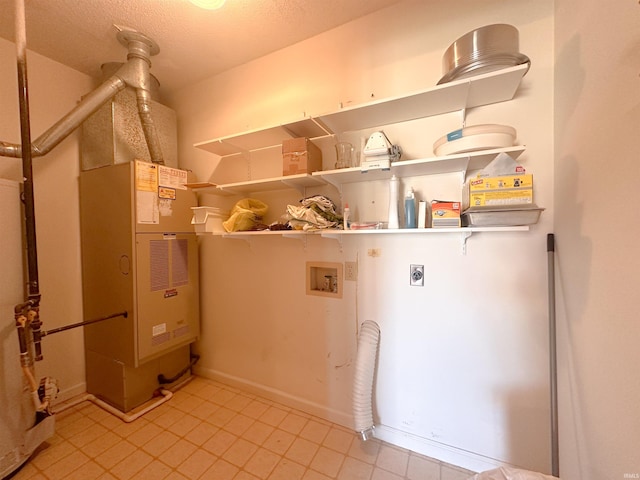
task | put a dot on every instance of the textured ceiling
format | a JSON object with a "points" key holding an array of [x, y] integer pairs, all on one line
{"points": [[194, 43]]}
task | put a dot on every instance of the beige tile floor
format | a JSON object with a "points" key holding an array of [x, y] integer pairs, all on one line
{"points": [[212, 431]]}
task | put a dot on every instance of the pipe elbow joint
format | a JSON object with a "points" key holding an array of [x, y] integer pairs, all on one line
{"points": [[135, 73], [10, 150], [37, 150]]}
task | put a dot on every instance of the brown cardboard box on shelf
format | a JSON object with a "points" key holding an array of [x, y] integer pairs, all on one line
{"points": [[300, 155]]}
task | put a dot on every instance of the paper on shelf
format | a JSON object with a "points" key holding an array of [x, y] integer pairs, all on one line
{"points": [[503, 164]]}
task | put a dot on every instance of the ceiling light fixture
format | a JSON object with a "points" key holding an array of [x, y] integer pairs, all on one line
{"points": [[208, 4]]}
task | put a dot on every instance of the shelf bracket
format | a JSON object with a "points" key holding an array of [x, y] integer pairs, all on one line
{"points": [[463, 173], [334, 183], [247, 156], [237, 237], [244, 153], [302, 190], [335, 236], [342, 202], [463, 111], [463, 241], [321, 126], [463, 117], [301, 238]]}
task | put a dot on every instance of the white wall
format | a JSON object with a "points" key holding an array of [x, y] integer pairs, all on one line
{"points": [[53, 90], [463, 363], [597, 164], [487, 370]]}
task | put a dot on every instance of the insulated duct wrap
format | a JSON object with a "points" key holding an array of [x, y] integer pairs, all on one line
{"points": [[368, 340]]}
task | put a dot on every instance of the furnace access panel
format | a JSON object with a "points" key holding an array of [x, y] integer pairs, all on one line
{"points": [[139, 254]]}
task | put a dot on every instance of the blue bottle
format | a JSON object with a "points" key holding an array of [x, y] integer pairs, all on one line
{"points": [[410, 209]]}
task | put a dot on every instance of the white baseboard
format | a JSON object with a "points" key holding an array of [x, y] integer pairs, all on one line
{"points": [[293, 401], [439, 451], [67, 393], [444, 453]]}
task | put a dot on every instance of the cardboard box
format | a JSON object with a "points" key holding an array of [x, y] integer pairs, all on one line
{"points": [[502, 190], [445, 214], [300, 155]]}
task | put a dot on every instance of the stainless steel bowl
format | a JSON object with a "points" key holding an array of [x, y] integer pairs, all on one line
{"points": [[482, 50]]}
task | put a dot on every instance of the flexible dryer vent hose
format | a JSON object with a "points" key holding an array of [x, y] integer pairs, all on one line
{"points": [[363, 382]]}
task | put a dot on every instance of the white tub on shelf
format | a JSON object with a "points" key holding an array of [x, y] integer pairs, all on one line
{"points": [[208, 219]]}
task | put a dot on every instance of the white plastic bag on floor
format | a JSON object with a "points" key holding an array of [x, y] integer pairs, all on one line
{"points": [[507, 473]]}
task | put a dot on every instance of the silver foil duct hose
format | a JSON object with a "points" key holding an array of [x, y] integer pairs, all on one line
{"points": [[368, 340]]}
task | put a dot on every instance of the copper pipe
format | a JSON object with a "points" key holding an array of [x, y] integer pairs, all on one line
{"points": [[83, 324]]}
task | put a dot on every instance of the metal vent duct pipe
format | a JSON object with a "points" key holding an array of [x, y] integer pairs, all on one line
{"points": [[134, 73]]}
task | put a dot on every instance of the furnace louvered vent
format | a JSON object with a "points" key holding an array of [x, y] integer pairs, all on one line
{"points": [[159, 264], [179, 263], [169, 264]]}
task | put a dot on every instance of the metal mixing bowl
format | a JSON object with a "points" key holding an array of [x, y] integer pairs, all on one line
{"points": [[482, 50]]}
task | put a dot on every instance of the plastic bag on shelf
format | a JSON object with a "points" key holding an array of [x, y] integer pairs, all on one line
{"points": [[245, 214]]}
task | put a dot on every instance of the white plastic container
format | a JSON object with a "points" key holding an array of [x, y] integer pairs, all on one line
{"points": [[208, 219], [346, 213], [476, 137]]}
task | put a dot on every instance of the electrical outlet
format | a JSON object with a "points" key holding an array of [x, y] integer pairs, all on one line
{"points": [[416, 277], [351, 271]]}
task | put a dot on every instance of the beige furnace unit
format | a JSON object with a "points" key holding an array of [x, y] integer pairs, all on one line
{"points": [[139, 255]]}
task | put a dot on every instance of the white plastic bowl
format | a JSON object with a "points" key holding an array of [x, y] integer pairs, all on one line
{"points": [[477, 137]]}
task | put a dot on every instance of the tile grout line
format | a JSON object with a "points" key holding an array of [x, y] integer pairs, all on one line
{"points": [[336, 440]]}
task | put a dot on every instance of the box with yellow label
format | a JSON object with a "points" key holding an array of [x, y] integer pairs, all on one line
{"points": [[502, 190]]}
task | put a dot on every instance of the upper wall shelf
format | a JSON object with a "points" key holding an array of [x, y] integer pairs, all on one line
{"points": [[263, 138], [461, 162], [298, 182], [463, 232], [471, 92], [493, 87]]}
